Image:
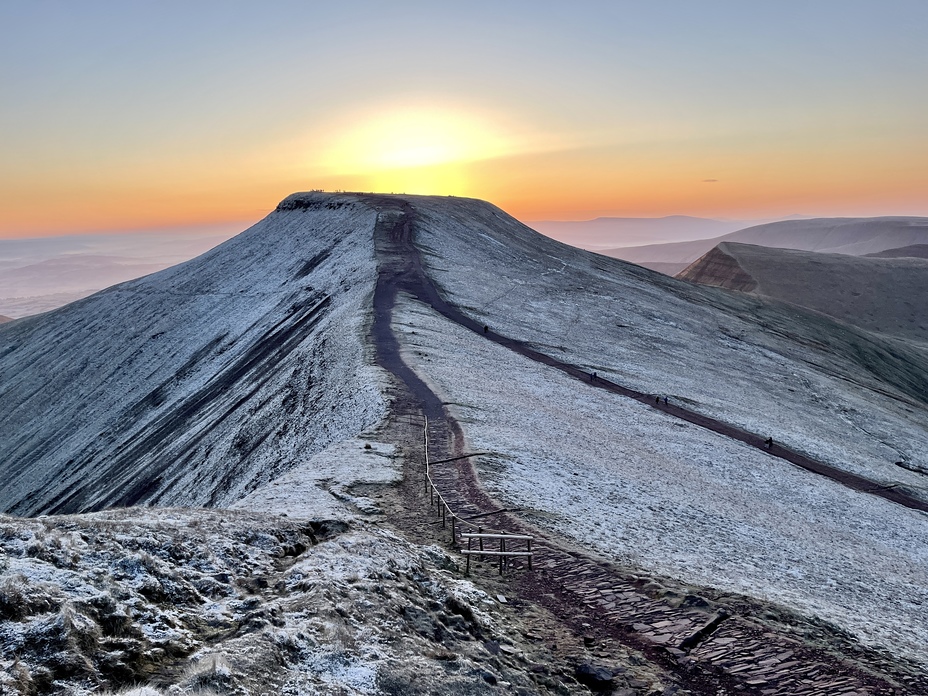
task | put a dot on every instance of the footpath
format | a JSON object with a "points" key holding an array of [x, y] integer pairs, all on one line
{"points": [[711, 643]]}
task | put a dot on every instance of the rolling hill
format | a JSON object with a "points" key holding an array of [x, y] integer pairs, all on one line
{"points": [[878, 293], [853, 236], [917, 251], [609, 232], [44, 273]]}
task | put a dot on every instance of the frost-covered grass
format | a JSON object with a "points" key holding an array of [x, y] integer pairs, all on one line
{"points": [[198, 384], [834, 393], [670, 497], [170, 601], [320, 487]]}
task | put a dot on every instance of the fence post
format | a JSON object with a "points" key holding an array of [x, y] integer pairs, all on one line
{"points": [[444, 509], [529, 541], [453, 530]]}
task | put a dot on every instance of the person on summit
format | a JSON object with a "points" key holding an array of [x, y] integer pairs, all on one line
{"points": [[486, 328], [768, 443]]}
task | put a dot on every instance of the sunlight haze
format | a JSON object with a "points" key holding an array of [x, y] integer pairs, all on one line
{"points": [[121, 116]]}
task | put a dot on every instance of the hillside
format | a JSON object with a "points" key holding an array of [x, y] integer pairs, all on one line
{"points": [[876, 294], [285, 378], [853, 236], [917, 251], [196, 384]]}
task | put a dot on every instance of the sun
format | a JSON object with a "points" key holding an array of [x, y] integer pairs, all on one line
{"points": [[417, 137]]}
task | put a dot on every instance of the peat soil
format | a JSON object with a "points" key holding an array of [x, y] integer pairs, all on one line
{"points": [[588, 623]]}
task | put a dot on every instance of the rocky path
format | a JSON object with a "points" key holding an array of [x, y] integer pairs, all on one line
{"points": [[706, 642]]}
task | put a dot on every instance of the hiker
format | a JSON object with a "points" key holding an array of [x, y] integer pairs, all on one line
{"points": [[592, 376], [768, 443], [665, 401], [486, 328], [657, 400]]}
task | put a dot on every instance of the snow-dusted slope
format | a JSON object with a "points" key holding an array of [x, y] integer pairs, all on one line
{"points": [[648, 490], [831, 391], [194, 385], [661, 494], [248, 367]]}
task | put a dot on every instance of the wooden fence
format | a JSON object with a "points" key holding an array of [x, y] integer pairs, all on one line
{"points": [[479, 535]]}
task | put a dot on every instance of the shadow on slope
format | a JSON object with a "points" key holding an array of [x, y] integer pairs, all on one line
{"points": [[876, 294], [194, 385]]}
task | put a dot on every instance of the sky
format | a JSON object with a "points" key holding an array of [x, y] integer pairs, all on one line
{"points": [[138, 115]]}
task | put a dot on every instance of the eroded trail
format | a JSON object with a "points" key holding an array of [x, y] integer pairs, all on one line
{"points": [[709, 643]]}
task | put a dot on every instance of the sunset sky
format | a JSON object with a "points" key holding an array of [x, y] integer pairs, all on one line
{"points": [[126, 115]]}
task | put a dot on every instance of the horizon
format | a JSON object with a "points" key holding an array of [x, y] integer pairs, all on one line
{"points": [[122, 117]]}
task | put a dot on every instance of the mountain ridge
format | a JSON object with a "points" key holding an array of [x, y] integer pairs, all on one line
{"points": [[871, 292], [207, 383], [853, 236]]}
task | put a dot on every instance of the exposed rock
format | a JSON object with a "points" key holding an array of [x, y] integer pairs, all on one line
{"points": [[597, 678]]}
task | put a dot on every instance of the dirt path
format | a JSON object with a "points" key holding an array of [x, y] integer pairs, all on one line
{"points": [[708, 643], [424, 289]]}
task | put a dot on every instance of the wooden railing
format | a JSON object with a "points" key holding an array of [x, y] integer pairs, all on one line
{"points": [[479, 535]]}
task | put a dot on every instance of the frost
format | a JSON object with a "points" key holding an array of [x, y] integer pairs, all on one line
{"points": [[669, 497]]}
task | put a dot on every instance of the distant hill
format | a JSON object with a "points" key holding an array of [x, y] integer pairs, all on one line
{"points": [[4, 319], [917, 251], [854, 236], [883, 295], [73, 274], [610, 232]]}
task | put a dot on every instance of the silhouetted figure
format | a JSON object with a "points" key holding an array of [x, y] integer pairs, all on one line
{"points": [[592, 376], [486, 329], [665, 401], [768, 443], [657, 400]]}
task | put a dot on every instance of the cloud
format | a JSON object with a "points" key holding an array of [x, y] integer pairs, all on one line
{"points": [[709, 181]]}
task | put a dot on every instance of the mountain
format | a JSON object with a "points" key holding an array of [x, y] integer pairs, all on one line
{"points": [[854, 236], [876, 294], [195, 384], [4, 319], [606, 232], [918, 251], [360, 378]]}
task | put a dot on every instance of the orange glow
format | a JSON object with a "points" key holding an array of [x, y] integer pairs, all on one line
{"points": [[526, 176], [412, 137]]}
